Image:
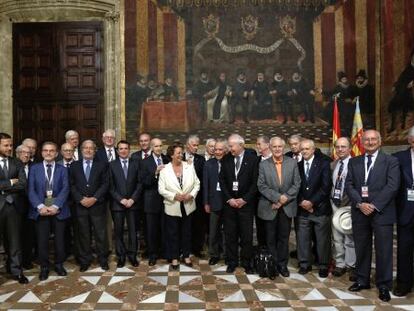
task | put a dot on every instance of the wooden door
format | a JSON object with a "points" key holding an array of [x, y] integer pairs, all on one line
{"points": [[58, 82]]}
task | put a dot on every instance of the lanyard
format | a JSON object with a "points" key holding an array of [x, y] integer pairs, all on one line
{"points": [[367, 171]]}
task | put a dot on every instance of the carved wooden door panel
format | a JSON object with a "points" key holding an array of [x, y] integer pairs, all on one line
{"points": [[57, 80]]}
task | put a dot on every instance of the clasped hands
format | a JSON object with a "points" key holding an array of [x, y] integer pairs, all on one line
{"points": [[282, 201], [237, 203], [127, 203], [88, 202], [183, 197], [366, 208], [307, 205], [49, 210]]}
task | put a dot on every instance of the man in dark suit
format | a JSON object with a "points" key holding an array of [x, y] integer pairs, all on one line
{"points": [[294, 144], [108, 152], [12, 182], [213, 200], [314, 209], [238, 183], [153, 201], [125, 190], [405, 220], [89, 183], [72, 138], [200, 217], [144, 140], [32, 145], [372, 183], [48, 192]]}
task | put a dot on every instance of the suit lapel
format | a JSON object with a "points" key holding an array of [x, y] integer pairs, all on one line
{"points": [[313, 168], [271, 167], [376, 167], [243, 166], [408, 163]]}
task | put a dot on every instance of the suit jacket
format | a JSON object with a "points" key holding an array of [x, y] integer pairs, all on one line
{"points": [[317, 188], [37, 189], [405, 208], [383, 184], [198, 163], [16, 170], [345, 201], [168, 187], [101, 154], [211, 195], [97, 187], [271, 189], [121, 188], [138, 155], [247, 178], [153, 201]]}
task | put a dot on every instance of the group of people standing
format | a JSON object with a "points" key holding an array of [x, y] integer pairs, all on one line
{"points": [[179, 199]]}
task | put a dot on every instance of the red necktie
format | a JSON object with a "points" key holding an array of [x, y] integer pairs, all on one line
{"points": [[145, 155]]}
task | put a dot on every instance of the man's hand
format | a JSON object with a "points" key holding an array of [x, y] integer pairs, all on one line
{"points": [[14, 181], [159, 168], [241, 202], [88, 202], [307, 205], [276, 205], [44, 211], [53, 210], [233, 203], [124, 202], [366, 208], [283, 199], [207, 208]]}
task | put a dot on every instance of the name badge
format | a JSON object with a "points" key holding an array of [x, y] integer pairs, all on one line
{"points": [[337, 194], [410, 195], [49, 193], [218, 187], [364, 192], [235, 186]]}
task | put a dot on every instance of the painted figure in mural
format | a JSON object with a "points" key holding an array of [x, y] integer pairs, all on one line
{"points": [[153, 88], [366, 94], [280, 90], [403, 99], [344, 93], [217, 104], [240, 97], [169, 90], [302, 95], [136, 95], [200, 90], [262, 101]]}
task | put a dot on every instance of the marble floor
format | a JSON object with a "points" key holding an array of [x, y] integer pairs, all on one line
{"points": [[202, 287]]}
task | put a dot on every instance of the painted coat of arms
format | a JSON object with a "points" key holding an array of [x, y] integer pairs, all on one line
{"points": [[211, 25], [288, 26], [249, 25]]}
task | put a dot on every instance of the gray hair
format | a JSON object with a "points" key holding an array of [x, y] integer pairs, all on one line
{"points": [[224, 142], [277, 138], [70, 133], [376, 132], [87, 142], [265, 139], [109, 131], [295, 137], [193, 137], [308, 141], [210, 140], [346, 138], [26, 140], [20, 148], [411, 132], [239, 139]]}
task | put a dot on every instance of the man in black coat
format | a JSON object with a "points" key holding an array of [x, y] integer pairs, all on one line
{"points": [[108, 152], [125, 191], [213, 200], [240, 97], [314, 209], [200, 217], [238, 183], [153, 201], [144, 140], [12, 183], [89, 185], [372, 183]]}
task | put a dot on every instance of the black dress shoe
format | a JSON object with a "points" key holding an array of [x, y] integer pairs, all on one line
{"points": [[152, 262], [134, 262], [304, 270], [121, 262], [356, 287], [60, 270], [401, 291], [284, 272], [105, 266], [231, 268], [384, 294], [21, 278], [213, 261], [44, 274], [338, 271], [83, 268], [323, 273]]}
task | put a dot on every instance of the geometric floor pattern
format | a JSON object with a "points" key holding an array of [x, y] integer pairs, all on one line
{"points": [[202, 287]]}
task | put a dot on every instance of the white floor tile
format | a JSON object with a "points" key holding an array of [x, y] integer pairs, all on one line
{"points": [[184, 268], [297, 277], [363, 308], [267, 297], [163, 268], [252, 278], [76, 299], [116, 279], [30, 298], [4, 297], [183, 297], [187, 278], [314, 295], [91, 279], [228, 278], [160, 298], [344, 295], [406, 307], [160, 279], [220, 269], [107, 298], [237, 296], [125, 270]]}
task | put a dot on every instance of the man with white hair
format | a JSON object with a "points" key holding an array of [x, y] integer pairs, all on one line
{"points": [[344, 249], [32, 145], [72, 137], [238, 183], [294, 144], [108, 153], [209, 153], [372, 183]]}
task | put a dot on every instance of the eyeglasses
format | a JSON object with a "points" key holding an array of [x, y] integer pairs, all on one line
{"points": [[67, 150]]}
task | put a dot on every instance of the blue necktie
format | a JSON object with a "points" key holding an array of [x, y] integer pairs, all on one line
{"points": [[88, 169], [307, 170], [159, 161], [125, 168]]}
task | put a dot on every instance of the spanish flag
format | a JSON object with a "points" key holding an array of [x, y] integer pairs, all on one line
{"points": [[357, 131], [336, 128]]}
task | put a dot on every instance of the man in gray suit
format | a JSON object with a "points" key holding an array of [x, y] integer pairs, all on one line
{"points": [[344, 249], [278, 184]]}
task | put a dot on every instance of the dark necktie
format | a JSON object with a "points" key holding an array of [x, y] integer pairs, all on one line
{"points": [[49, 176], [307, 170], [369, 162], [338, 184], [109, 155], [88, 169], [5, 168], [237, 164], [159, 162], [145, 154], [67, 164], [125, 168]]}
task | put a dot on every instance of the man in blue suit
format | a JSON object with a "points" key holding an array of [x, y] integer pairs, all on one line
{"points": [[48, 193], [405, 220], [213, 200], [372, 183]]}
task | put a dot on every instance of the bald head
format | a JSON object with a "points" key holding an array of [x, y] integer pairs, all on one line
{"points": [[371, 140], [156, 146], [343, 147]]}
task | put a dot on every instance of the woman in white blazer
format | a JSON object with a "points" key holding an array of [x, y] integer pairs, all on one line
{"points": [[179, 185]]}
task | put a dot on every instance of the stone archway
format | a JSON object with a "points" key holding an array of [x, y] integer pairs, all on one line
{"points": [[109, 12]]}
